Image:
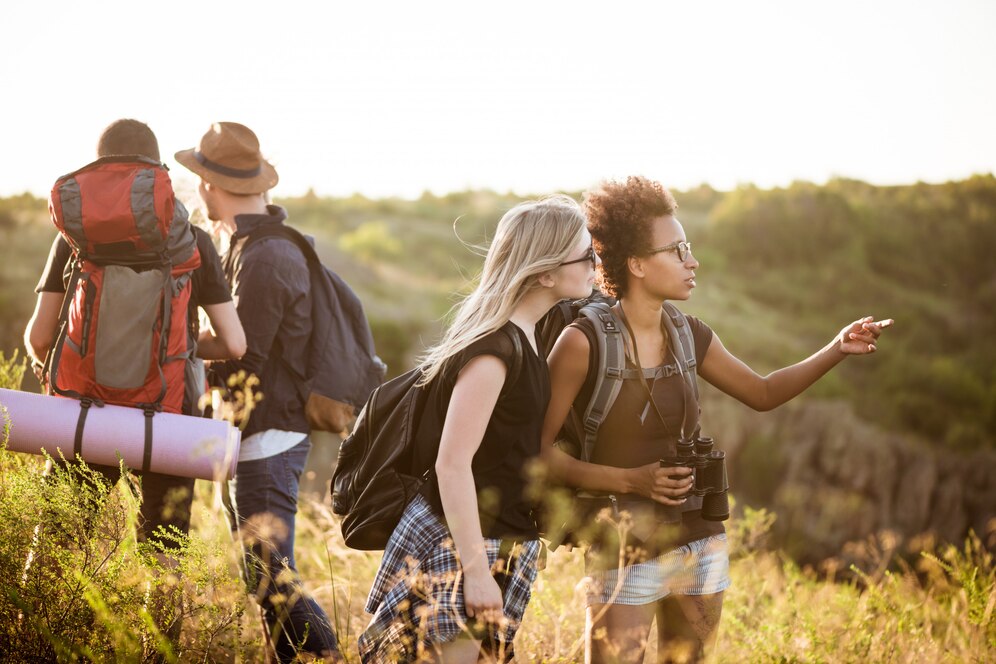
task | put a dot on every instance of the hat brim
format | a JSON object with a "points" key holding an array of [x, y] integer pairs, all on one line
{"points": [[266, 180]]}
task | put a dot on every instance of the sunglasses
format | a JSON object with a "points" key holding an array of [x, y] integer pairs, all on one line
{"points": [[588, 256], [682, 248]]}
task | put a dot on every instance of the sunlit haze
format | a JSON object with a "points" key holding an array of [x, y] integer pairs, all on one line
{"points": [[395, 99]]}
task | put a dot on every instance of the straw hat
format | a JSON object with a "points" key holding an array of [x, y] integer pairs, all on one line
{"points": [[229, 158]]}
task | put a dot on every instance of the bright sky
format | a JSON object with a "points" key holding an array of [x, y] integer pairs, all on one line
{"points": [[395, 98]]}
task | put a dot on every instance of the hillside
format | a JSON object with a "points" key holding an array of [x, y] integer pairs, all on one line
{"points": [[782, 270]]}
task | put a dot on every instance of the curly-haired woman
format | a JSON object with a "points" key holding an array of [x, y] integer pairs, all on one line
{"points": [[674, 564]]}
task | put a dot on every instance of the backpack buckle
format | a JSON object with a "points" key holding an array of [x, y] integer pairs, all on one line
{"points": [[608, 323], [669, 370], [150, 409], [591, 425], [613, 372]]}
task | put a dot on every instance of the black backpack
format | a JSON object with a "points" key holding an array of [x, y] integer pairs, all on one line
{"points": [[374, 477], [343, 368]]}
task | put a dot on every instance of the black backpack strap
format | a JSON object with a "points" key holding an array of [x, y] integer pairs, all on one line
{"points": [[682, 343], [550, 326], [611, 356], [298, 239], [149, 410], [55, 352], [288, 233], [164, 326], [178, 284], [85, 404], [517, 356]]}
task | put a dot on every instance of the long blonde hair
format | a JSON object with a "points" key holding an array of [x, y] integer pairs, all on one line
{"points": [[532, 238]]}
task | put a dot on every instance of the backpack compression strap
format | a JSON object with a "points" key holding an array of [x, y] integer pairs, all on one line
{"points": [[55, 353]]}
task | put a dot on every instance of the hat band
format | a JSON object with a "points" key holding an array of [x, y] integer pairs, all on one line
{"points": [[242, 173]]}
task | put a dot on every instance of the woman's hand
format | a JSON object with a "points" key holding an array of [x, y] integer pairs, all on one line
{"points": [[481, 595], [861, 336], [655, 483]]}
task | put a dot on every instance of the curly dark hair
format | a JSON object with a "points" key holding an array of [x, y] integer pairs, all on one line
{"points": [[619, 216]]}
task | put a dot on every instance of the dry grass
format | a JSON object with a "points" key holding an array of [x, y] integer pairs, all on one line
{"points": [[939, 609]]}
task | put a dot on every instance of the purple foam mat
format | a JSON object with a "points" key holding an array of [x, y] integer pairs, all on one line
{"points": [[181, 445]]}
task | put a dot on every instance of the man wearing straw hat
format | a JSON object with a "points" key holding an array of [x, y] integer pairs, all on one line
{"points": [[272, 288]]}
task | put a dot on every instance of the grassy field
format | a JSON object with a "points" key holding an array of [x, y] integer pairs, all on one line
{"points": [[86, 596], [93, 593]]}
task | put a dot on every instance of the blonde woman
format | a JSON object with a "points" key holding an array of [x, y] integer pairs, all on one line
{"points": [[456, 574]]}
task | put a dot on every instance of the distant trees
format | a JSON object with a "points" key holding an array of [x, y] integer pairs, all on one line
{"points": [[921, 254], [809, 256], [371, 241]]}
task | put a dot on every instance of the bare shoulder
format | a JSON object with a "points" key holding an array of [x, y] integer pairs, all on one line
{"points": [[569, 356], [483, 369], [572, 341]]}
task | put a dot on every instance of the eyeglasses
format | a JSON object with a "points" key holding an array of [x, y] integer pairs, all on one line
{"points": [[682, 248], [588, 256]]}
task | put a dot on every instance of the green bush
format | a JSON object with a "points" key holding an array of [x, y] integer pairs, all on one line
{"points": [[371, 242], [76, 585]]}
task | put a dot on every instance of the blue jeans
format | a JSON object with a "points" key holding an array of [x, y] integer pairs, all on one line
{"points": [[265, 505]]}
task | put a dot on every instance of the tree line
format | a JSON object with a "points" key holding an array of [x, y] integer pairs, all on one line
{"points": [[779, 268]]}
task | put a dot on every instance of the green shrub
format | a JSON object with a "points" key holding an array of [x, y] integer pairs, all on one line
{"points": [[371, 242]]}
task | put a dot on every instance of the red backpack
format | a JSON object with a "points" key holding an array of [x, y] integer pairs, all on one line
{"points": [[123, 337]]}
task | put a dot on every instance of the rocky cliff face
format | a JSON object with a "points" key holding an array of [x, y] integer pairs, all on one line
{"points": [[833, 479]]}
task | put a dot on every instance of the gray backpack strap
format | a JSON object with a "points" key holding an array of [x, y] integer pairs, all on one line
{"points": [[683, 346], [611, 356]]}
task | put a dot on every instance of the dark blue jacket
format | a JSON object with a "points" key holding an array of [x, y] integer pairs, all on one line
{"points": [[272, 286]]}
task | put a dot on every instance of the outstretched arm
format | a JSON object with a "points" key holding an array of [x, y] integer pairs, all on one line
{"points": [[731, 375], [568, 363], [471, 404]]}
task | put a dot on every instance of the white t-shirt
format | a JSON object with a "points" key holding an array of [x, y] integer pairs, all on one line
{"points": [[271, 442]]}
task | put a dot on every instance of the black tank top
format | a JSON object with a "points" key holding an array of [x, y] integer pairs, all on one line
{"points": [[511, 439]]}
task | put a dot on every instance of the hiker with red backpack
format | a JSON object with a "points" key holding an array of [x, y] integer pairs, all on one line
{"points": [[116, 316], [457, 569], [674, 556], [271, 281], [129, 147]]}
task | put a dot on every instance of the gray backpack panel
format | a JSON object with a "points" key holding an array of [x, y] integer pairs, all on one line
{"points": [[130, 303]]}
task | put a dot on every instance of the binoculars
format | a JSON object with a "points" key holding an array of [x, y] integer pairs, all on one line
{"points": [[709, 471]]}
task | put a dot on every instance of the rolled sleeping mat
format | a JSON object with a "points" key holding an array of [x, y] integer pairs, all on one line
{"points": [[181, 445]]}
